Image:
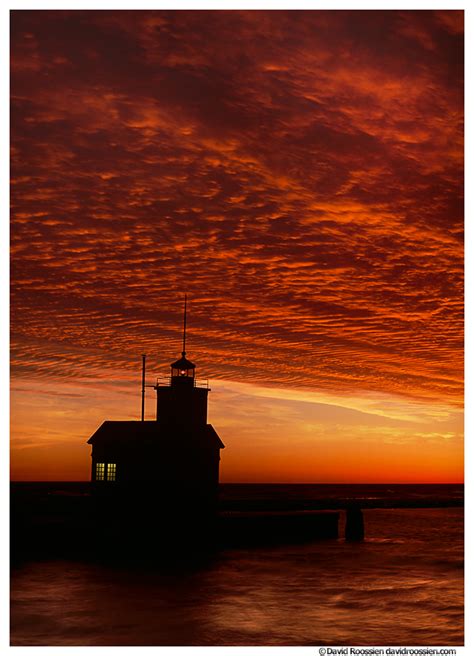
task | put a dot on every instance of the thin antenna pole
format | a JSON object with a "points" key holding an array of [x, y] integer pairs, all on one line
{"points": [[184, 326], [143, 387]]}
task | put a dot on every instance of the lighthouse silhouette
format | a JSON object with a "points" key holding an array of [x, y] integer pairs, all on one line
{"points": [[172, 461]]}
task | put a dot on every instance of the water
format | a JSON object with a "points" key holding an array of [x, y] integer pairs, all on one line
{"points": [[403, 585], [260, 496], [373, 495]]}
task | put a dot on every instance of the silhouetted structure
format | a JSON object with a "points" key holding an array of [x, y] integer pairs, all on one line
{"points": [[354, 524], [173, 460], [155, 483]]}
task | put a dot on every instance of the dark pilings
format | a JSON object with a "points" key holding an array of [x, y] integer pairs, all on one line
{"points": [[354, 524]]}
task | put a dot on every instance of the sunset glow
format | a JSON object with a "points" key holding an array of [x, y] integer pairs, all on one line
{"points": [[300, 175]]}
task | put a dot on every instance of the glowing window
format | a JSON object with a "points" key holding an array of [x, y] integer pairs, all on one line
{"points": [[182, 372], [111, 471], [99, 471]]}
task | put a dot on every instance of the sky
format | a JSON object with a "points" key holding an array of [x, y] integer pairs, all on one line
{"points": [[299, 174]]}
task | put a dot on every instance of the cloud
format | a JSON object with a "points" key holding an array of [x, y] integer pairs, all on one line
{"points": [[299, 174]]}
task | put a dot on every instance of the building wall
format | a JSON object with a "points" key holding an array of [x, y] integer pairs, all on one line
{"points": [[176, 464], [182, 405]]}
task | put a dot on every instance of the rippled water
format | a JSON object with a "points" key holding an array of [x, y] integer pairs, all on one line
{"points": [[403, 585]]}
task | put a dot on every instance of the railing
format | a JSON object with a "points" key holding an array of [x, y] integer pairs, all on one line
{"points": [[165, 381]]}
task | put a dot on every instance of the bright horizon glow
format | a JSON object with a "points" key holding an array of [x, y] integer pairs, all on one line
{"points": [[272, 435]]}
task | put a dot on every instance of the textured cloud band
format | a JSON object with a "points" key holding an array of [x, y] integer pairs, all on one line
{"points": [[298, 173]]}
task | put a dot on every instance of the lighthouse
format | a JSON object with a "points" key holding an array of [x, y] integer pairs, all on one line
{"points": [[174, 459]]}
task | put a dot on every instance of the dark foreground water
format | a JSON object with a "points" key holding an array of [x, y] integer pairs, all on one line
{"points": [[403, 585]]}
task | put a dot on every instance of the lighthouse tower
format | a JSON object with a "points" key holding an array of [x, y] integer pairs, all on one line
{"points": [[174, 459], [182, 402]]}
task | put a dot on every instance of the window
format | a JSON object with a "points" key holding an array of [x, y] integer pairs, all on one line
{"points": [[189, 373], [111, 471], [99, 471]]}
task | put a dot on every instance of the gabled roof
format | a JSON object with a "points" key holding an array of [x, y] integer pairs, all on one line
{"points": [[136, 431], [124, 430], [213, 434]]}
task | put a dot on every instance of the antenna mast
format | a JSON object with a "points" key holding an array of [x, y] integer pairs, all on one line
{"points": [[184, 326], [143, 386]]}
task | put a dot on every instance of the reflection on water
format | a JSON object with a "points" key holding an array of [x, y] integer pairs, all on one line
{"points": [[403, 585]]}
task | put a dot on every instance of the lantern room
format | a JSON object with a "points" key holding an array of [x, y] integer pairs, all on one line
{"points": [[182, 369]]}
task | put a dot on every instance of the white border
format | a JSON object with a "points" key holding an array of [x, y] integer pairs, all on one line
{"points": [[4, 289]]}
